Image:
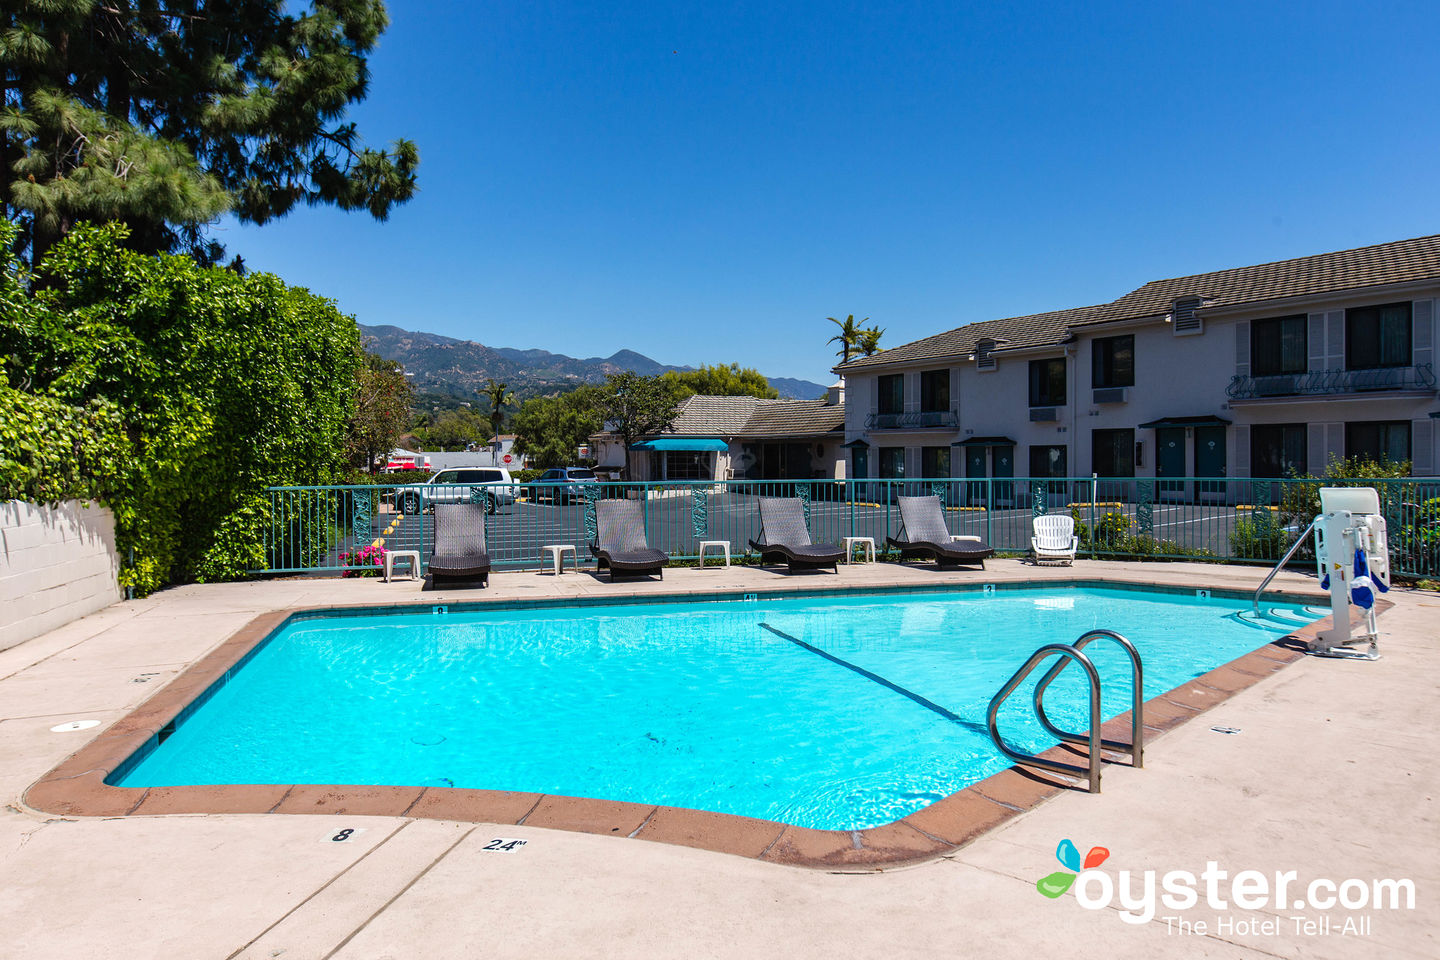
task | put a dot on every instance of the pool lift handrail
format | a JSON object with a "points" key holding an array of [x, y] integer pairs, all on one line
{"points": [[1136, 746], [1311, 528], [1068, 653]]}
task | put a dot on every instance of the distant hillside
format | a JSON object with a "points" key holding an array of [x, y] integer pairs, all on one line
{"points": [[445, 365], [797, 389]]}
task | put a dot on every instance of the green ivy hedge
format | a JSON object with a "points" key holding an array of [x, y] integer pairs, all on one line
{"points": [[175, 394]]}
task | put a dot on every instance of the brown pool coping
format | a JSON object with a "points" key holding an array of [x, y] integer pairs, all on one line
{"points": [[77, 787]]}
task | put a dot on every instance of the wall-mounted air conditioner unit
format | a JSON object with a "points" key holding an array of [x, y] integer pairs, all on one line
{"points": [[1111, 395], [1044, 414]]}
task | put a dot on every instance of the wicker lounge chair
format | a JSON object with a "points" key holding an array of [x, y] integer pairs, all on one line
{"points": [[460, 552], [784, 536], [924, 535], [620, 542]]}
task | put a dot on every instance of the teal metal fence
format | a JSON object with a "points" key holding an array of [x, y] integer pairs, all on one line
{"points": [[340, 529]]}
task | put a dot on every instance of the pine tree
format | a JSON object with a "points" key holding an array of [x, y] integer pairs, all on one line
{"points": [[165, 113]]}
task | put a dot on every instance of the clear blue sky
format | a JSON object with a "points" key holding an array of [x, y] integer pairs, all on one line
{"points": [[708, 182]]}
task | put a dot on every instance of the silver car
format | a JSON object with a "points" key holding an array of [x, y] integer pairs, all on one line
{"points": [[562, 484]]}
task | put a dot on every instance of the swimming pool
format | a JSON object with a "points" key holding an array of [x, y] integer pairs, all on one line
{"points": [[772, 709]]}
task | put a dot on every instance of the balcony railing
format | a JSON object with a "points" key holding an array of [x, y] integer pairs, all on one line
{"points": [[1329, 382], [929, 420]]}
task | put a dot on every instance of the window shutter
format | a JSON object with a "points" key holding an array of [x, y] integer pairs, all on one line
{"points": [[1242, 448], [1315, 448], [1315, 341], [1422, 448], [1334, 447], [1422, 340], [912, 392], [1242, 348], [1335, 340]]}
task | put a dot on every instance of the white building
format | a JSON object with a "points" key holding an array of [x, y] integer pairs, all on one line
{"points": [[738, 438], [1261, 371]]}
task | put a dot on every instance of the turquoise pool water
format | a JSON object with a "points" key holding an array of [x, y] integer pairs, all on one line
{"points": [[690, 704]]}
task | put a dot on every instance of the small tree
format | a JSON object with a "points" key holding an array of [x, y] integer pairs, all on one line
{"points": [[382, 409], [499, 395], [548, 429], [722, 380], [869, 340], [635, 406], [848, 337]]}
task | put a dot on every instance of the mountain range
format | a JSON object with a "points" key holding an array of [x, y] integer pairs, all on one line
{"points": [[445, 365]]}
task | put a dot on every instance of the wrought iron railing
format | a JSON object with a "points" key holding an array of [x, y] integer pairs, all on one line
{"points": [[1321, 382], [1215, 519], [915, 420]]}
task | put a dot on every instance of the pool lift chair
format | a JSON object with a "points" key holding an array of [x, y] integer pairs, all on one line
{"points": [[460, 552], [924, 535], [784, 537], [620, 542], [1352, 556]]}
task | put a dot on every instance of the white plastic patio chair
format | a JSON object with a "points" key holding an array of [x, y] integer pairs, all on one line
{"points": [[1054, 538]]}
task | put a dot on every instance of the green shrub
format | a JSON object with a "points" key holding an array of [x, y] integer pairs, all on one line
{"points": [[1261, 536], [175, 394]]}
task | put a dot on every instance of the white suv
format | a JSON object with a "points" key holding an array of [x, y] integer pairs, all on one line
{"points": [[492, 486]]}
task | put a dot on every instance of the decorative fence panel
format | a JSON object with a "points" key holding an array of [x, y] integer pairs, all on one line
{"points": [[1245, 520]]}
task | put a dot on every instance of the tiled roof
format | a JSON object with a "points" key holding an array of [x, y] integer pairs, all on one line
{"points": [[1385, 263], [752, 417], [1009, 334], [794, 418], [1398, 262], [713, 416]]}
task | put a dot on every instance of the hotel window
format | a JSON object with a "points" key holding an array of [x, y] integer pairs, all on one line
{"points": [[1277, 346], [892, 393], [1377, 337], [1113, 453], [1277, 450], [685, 465], [892, 463], [1047, 461], [1047, 383], [1112, 362], [935, 463], [935, 391], [1380, 442]]}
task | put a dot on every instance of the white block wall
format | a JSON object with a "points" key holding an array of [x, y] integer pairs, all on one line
{"points": [[57, 564]]}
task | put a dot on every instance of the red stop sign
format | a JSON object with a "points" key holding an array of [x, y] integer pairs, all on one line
{"points": [[506, 459]]}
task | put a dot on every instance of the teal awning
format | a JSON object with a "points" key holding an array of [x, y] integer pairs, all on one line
{"points": [[692, 444]]}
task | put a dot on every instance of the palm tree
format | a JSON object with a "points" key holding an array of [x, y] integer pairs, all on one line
{"points": [[848, 337], [499, 395], [869, 341]]}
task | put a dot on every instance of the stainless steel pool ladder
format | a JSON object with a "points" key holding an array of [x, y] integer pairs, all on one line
{"points": [[1255, 604], [1067, 653]]}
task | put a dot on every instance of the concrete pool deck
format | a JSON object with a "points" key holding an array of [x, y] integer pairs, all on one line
{"points": [[1324, 778]]}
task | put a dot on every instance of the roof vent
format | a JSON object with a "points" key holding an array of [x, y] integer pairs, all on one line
{"points": [[1185, 317], [984, 350]]}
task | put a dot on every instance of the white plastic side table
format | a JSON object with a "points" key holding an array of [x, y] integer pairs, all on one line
{"points": [[868, 553], [412, 556], [720, 544], [557, 553]]}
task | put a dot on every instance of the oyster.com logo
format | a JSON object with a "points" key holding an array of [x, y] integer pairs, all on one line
{"points": [[1058, 882]]}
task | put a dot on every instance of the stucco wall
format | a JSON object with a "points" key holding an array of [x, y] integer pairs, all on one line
{"points": [[56, 565]]}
